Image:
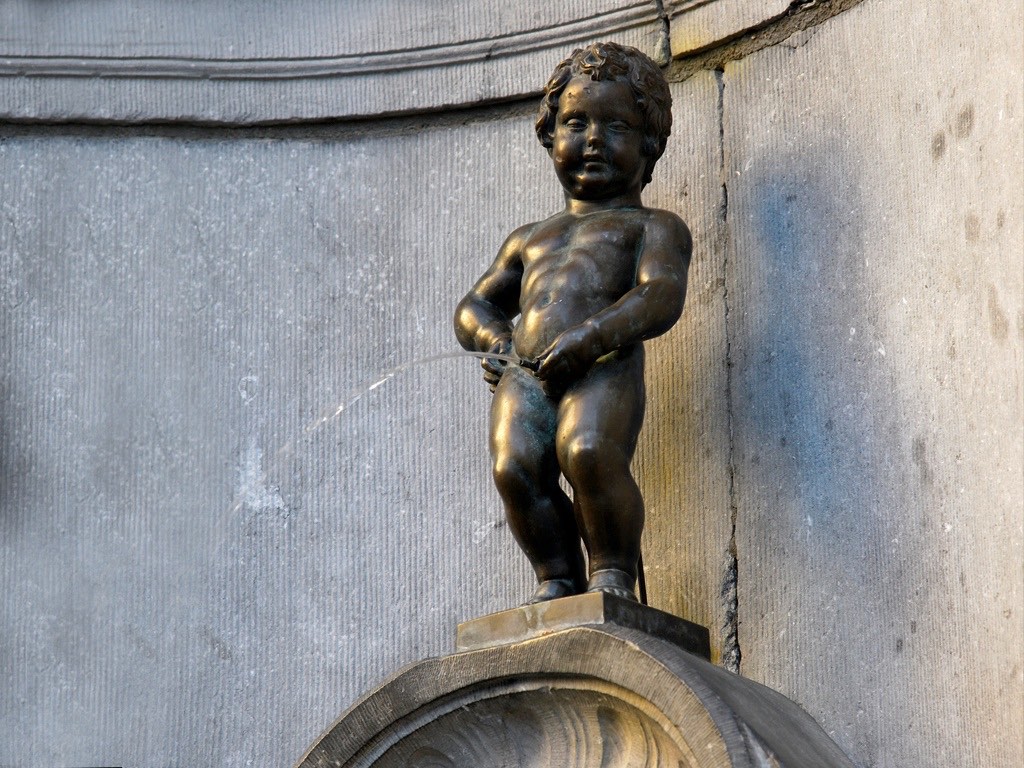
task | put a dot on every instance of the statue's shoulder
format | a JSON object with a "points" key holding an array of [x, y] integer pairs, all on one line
{"points": [[668, 226], [659, 217], [518, 239], [523, 233]]}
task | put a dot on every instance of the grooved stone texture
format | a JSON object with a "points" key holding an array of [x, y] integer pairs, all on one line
{"points": [[192, 573]]}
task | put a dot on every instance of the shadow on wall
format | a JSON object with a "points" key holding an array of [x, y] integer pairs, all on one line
{"points": [[818, 419]]}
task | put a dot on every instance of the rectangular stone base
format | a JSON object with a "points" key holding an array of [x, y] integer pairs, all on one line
{"points": [[591, 609]]}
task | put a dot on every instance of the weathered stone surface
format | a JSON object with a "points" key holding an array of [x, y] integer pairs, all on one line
{"points": [[876, 328], [600, 696]]}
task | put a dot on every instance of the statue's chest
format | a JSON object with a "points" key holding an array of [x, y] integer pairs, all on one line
{"points": [[595, 255]]}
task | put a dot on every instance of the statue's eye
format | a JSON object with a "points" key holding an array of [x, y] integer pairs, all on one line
{"points": [[620, 126], [575, 124]]}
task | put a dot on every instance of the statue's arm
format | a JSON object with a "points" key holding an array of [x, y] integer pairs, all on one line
{"points": [[646, 311], [483, 319], [656, 303]]}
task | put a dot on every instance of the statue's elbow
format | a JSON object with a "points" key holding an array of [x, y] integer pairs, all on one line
{"points": [[672, 300], [465, 322]]}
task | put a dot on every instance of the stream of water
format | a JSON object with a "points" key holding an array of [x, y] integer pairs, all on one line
{"points": [[334, 412]]}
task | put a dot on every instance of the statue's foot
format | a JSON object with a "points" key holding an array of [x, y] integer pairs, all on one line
{"points": [[552, 589], [612, 581]]}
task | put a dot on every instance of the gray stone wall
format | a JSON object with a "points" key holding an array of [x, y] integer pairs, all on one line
{"points": [[875, 280], [196, 572]]}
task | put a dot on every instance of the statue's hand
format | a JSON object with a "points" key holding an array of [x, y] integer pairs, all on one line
{"points": [[494, 368], [569, 356]]}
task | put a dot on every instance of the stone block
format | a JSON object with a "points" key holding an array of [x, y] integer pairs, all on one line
{"points": [[876, 314]]}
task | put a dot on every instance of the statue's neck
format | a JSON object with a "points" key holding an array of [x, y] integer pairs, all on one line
{"points": [[582, 207]]}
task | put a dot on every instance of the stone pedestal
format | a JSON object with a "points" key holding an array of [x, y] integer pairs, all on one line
{"points": [[589, 610], [584, 682]]}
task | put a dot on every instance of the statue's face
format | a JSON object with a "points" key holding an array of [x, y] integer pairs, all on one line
{"points": [[597, 141]]}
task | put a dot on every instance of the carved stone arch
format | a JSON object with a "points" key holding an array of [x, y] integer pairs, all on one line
{"points": [[589, 697]]}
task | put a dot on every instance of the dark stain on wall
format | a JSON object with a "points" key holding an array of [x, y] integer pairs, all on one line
{"points": [[972, 228], [919, 454], [1000, 323], [964, 122]]}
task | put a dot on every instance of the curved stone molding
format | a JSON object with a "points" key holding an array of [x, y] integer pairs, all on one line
{"points": [[604, 696], [233, 62], [243, 63], [549, 723]]}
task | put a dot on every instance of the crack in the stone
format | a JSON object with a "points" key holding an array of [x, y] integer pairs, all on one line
{"points": [[665, 54], [731, 654]]}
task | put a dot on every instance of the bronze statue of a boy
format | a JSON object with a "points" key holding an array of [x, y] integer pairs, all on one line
{"points": [[588, 285]]}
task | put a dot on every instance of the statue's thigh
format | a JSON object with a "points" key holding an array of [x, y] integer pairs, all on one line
{"points": [[604, 411], [523, 419]]}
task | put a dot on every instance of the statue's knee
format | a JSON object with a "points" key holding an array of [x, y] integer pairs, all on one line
{"points": [[589, 460], [510, 476]]}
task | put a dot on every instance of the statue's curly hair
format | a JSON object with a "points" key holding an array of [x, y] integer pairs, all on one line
{"points": [[611, 61]]}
